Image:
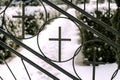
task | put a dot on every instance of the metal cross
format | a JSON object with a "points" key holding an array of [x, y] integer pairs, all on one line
{"points": [[59, 39], [23, 19]]}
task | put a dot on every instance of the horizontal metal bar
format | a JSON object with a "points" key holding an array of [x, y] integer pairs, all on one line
{"points": [[109, 28], [103, 37], [27, 60], [56, 39], [38, 54], [23, 17]]}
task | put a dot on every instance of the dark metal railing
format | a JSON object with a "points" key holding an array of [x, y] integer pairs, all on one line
{"points": [[1, 78], [106, 26], [109, 28], [36, 54], [83, 11], [27, 60]]}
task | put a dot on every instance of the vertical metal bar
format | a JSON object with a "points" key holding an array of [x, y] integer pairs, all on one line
{"points": [[84, 4], [23, 19], [94, 65], [59, 39], [109, 7], [59, 44], [97, 5], [94, 55]]}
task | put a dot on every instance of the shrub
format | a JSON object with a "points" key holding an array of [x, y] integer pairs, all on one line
{"points": [[32, 25], [116, 24], [105, 53]]}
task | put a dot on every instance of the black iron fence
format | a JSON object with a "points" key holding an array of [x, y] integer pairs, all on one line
{"points": [[103, 38]]}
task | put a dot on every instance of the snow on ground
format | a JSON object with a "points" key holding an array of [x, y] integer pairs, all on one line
{"points": [[103, 72]]}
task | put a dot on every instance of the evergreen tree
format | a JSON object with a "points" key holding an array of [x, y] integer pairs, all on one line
{"points": [[105, 53], [116, 24], [27, 2], [117, 2], [4, 2]]}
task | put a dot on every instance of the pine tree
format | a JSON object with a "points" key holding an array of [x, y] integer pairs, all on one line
{"points": [[117, 2], [105, 53], [116, 24], [3, 2]]}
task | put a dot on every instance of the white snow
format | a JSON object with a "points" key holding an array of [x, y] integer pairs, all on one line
{"points": [[69, 30], [103, 72]]}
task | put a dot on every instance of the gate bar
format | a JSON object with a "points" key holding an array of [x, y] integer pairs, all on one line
{"points": [[38, 55], [27, 60], [109, 28], [103, 37], [1, 78]]}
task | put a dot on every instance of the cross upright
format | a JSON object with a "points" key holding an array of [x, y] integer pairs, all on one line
{"points": [[23, 19], [59, 39]]}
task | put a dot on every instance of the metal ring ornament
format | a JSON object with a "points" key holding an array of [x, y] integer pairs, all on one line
{"points": [[46, 17], [42, 28], [78, 50]]}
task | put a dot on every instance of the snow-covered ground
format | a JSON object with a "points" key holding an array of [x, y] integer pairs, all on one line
{"points": [[103, 72], [70, 30]]}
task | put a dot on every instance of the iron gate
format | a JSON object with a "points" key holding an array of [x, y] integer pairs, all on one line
{"points": [[70, 4]]}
